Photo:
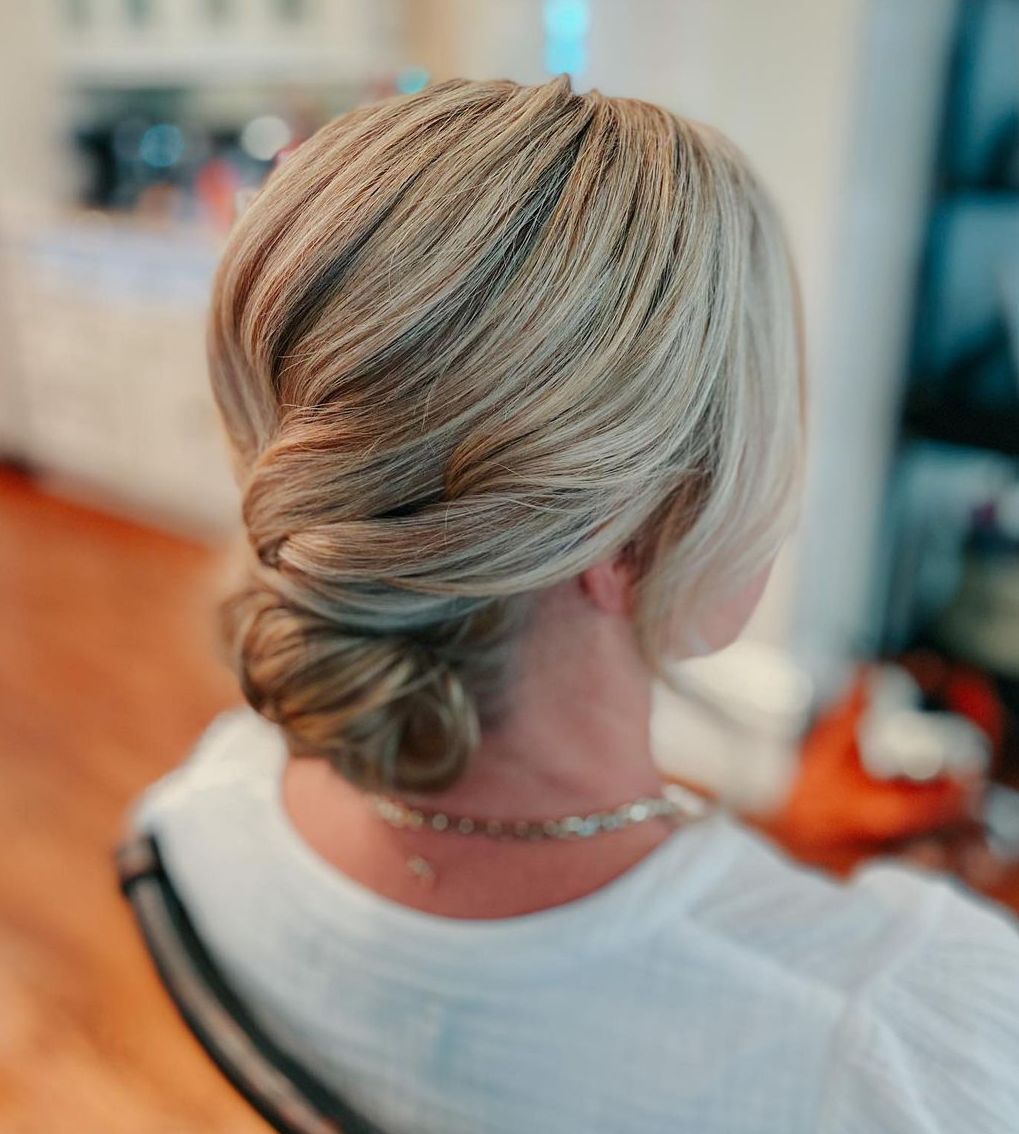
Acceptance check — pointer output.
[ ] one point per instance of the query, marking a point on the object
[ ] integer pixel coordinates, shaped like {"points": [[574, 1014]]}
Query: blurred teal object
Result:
{"points": [[566, 23], [566, 19], [411, 80]]}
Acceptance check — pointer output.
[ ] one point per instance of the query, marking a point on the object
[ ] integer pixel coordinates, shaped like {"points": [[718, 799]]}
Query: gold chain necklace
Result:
{"points": [[673, 802]]}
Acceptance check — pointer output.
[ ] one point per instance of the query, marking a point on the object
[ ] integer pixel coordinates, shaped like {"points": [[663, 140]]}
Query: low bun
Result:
{"points": [[388, 711]]}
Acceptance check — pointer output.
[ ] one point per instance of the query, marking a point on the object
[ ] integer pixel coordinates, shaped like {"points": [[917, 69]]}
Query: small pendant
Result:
{"points": [[421, 869]]}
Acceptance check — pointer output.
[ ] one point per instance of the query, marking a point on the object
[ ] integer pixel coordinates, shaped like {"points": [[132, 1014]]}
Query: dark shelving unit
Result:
{"points": [[958, 441]]}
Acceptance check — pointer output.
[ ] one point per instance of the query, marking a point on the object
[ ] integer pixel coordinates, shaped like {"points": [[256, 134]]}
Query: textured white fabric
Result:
{"points": [[715, 987]]}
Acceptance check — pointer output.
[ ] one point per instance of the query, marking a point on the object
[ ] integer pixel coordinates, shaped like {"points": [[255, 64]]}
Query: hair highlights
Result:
{"points": [[465, 343]]}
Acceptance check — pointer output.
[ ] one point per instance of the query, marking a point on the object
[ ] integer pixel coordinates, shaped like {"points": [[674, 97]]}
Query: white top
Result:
{"points": [[714, 988]]}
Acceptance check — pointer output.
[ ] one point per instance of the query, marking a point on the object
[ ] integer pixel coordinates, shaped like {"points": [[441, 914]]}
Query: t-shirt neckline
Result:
{"points": [[672, 873]]}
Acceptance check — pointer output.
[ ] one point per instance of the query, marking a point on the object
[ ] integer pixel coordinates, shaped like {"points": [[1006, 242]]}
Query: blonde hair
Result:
{"points": [[465, 344]]}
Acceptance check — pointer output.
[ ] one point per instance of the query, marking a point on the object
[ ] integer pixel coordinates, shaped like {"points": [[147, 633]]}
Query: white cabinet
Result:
{"points": [[108, 327]]}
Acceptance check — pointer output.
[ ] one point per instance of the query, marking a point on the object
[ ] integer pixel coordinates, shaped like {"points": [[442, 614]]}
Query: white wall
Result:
{"points": [[29, 173], [862, 331], [29, 129], [478, 39]]}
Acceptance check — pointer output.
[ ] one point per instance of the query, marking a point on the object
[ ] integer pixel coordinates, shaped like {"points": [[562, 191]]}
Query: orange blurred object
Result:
{"points": [[217, 185], [838, 813]]}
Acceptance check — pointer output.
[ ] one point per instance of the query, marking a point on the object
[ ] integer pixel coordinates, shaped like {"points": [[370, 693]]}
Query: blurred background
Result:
{"points": [[873, 707]]}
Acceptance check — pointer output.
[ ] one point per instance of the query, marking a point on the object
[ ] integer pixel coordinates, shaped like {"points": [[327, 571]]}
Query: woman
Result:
{"points": [[511, 381]]}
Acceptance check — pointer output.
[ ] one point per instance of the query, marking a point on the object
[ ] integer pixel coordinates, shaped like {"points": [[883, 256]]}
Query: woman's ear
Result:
{"points": [[609, 584]]}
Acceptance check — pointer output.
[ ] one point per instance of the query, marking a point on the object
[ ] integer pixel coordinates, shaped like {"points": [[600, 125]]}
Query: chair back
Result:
{"points": [[285, 1094]]}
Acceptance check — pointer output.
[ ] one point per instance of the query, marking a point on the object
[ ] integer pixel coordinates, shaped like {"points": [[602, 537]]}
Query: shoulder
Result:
{"points": [[238, 751], [888, 931], [931, 1041], [830, 933], [922, 978]]}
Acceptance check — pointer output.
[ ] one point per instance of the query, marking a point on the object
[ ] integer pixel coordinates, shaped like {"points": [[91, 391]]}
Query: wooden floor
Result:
{"points": [[107, 672]]}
